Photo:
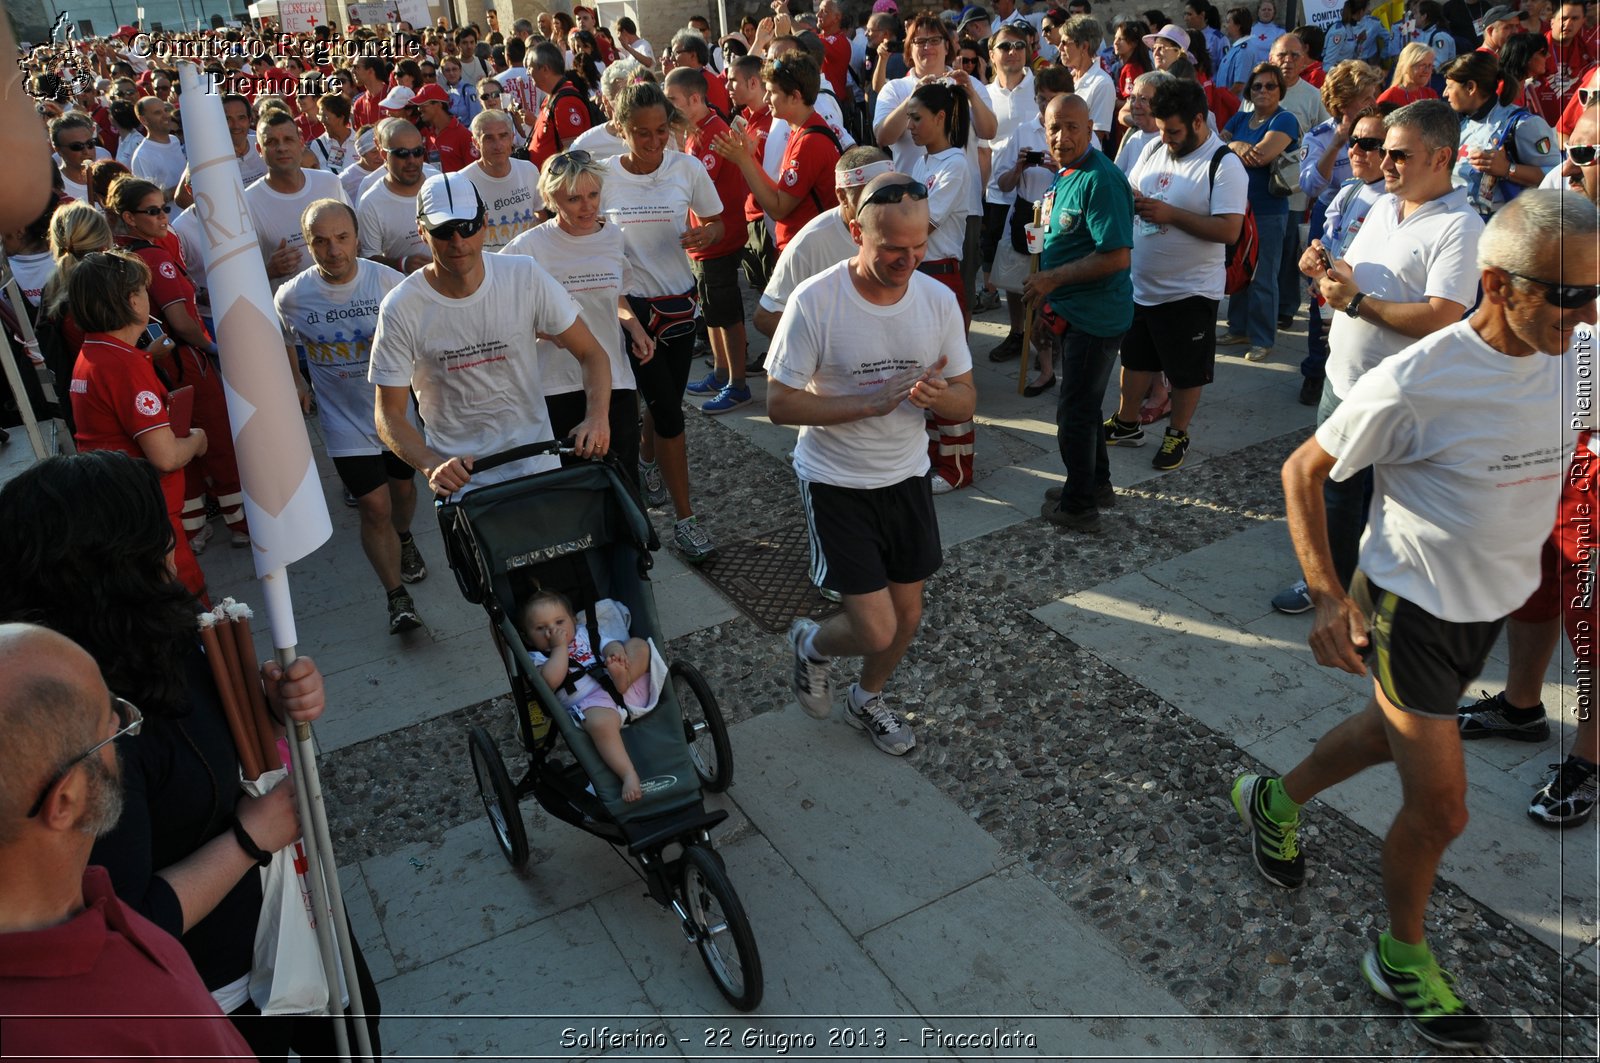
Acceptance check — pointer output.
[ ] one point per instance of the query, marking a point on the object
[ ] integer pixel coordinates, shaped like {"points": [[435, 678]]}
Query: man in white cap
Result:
{"points": [[460, 333], [388, 210]]}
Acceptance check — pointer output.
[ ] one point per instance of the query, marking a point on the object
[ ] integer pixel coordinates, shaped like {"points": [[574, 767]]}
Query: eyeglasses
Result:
{"points": [[82, 145], [1264, 86], [1010, 46], [927, 42], [1566, 296], [1582, 154], [129, 720], [464, 229], [1396, 154], [408, 153], [488, 95], [153, 212], [1588, 96], [568, 160], [895, 193], [969, 60], [1366, 143]]}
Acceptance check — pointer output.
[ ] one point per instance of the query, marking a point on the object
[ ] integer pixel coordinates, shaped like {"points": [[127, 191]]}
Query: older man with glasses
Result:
{"points": [[80, 973]]}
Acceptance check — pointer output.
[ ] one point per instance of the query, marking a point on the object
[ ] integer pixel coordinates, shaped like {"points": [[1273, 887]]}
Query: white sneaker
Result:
{"points": [[941, 486], [1258, 354], [198, 541], [889, 732], [813, 680]]}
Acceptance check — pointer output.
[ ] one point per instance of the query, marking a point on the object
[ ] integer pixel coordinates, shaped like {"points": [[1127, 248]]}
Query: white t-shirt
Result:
{"points": [[594, 271], [600, 142], [389, 224], [1035, 181], [191, 241], [1133, 143], [127, 145], [820, 243], [332, 155], [161, 163], [335, 323], [32, 271], [353, 177], [905, 154], [948, 178], [1012, 107], [652, 210], [1097, 90], [832, 342], [1434, 252], [1168, 263], [509, 202], [472, 362], [73, 189], [277, 214], [1467, 460], [252, 167]]}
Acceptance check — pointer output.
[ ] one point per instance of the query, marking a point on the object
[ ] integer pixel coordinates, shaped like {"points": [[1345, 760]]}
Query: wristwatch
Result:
{"points": [[1353, 308]]}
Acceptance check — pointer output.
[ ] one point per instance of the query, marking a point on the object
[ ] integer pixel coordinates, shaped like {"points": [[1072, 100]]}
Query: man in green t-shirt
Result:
{"points": [[1084, 275]]}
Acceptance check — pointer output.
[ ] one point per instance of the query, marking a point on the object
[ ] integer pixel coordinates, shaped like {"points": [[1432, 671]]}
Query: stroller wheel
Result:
{"points": [[499, 797], [703, 727], [722, 932]]}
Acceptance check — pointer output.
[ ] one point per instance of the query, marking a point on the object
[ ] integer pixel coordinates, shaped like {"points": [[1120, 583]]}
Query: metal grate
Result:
{"points": [[768, 578]]}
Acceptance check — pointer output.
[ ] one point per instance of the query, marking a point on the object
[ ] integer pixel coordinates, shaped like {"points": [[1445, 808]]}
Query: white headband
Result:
{"points": [[857, 176], [366, 142]]}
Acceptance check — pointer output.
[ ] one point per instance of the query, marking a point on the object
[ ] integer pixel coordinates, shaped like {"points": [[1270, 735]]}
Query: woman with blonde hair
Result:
{"points": [[1413, 70]]}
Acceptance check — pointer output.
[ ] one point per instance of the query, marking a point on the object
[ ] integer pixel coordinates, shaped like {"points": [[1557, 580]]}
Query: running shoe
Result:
{"points": [[729, 398], [813, 679], [1492, 717], [1081, 520], [1121, 434], [693, 540], [987, 299], [198, 541], [1428, 997], [1276, 845], [888, 731], [1174, 445], [403, 614], [654, 488], [1233, 339], [1105, 496], [940, 486], [1293, 599], [412, 567], [239, 540], [709, 385], [1568, 797]]}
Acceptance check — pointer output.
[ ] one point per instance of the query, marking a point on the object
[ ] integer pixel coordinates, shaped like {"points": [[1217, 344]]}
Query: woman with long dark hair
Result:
{"points": [[90, 547], [1504, 148]]}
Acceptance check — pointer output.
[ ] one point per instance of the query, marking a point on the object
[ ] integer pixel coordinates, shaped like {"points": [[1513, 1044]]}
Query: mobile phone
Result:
{"points": [[1033, 158], [153, 336], [1327, 263]]}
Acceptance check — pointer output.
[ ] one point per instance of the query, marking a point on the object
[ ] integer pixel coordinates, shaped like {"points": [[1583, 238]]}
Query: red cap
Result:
{"points": [[127, 32], [430, 93]]}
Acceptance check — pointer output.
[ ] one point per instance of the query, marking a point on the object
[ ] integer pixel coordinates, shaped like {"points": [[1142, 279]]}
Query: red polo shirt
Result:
{"points": [[758, 126], [1568, 63], [365, 110], [808, 164], [731, 187], [560, 122], [836, 61], [454, 146]]}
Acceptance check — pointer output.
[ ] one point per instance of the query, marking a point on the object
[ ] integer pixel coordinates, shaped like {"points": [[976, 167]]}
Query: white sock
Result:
{"points": [[859, 697], [808, 645]]}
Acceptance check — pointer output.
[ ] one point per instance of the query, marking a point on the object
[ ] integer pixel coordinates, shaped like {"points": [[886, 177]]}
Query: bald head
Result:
{"points": [[1067, 129], [907, 210]]}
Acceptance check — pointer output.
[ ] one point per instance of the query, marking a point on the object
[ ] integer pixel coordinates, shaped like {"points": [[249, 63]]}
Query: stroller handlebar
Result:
{"points": [[527, 450]]}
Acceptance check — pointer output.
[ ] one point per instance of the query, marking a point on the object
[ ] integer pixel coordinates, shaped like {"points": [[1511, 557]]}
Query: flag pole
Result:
{"points": [[283, 500]]}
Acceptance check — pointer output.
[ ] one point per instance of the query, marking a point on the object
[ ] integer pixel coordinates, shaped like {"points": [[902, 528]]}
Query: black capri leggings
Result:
{"points": [[566, 414], [663, 378]]}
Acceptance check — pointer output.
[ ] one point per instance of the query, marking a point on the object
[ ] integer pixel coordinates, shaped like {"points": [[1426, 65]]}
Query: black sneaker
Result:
{"points": [[1007, 349], [1568, 797], [1082, 520], [1105, 496], [1429, 1000], [1174, 445], [1276, 845], [1310, 390], [403, 614], [412, 567], [1491, 717], [1121, 434]]}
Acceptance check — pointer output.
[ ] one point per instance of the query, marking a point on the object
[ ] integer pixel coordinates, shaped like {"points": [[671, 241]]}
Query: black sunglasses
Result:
{"points": [[895, 193], [82, 145], [1366, 143], [1396, 154], [1263, 86], [1582, 154], [464, 229], [1566, 296], [408, 153], [153, 212], [1010, 46], [129, 720], [569, 160]]}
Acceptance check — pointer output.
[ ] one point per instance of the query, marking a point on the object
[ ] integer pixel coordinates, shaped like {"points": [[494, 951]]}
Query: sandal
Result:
{"points": [[1152, 414], [1035, 390]]}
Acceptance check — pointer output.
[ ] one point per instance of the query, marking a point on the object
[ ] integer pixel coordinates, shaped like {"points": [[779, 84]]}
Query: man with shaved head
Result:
{"points": [[870, 345], [85, 975]]}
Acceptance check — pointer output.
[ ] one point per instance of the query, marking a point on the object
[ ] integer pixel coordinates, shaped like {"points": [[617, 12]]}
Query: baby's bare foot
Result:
{"points": [[617, 666], [631, 790]]}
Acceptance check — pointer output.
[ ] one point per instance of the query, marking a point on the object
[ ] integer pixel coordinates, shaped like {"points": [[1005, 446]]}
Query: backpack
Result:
{"points": [[1238, 258], [567, 90], [838, 146]]}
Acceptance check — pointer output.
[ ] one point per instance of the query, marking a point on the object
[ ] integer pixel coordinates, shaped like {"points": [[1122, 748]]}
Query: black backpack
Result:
{"points": [[833, 139]]}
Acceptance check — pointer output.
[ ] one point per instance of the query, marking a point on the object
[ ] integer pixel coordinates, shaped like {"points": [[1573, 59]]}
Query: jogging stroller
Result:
{"points": [[580, 530]]}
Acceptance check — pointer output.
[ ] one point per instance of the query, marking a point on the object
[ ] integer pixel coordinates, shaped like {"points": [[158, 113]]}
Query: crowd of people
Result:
{"points": [[479, 239]]}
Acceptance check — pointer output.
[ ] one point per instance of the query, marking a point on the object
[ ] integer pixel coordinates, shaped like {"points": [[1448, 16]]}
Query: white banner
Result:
{"points": [[1322, 13], [300, 16], [416, 13], [372, 14], [282, 494]]}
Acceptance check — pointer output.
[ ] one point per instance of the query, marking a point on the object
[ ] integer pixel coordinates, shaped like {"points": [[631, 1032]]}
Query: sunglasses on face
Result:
{"points": [[895, 193], [408, 153], [1011, 46], [1565, 296], [1582, 154], [450, 229], [1588, 96], [82, 145], [153, 212], [1395, 154], [489, 96], [1366, 143]]}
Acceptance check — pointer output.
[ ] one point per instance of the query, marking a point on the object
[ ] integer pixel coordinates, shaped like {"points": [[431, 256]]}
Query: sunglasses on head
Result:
{"points": [[1366, 143], [1565, 296], [895, 193], [450, 229], [1582, 154], [408, 153], [568, 160], [153, 212]]}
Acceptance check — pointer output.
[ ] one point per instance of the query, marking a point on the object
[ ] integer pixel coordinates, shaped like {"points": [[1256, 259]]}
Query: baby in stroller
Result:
{"points": [[625, 676]]}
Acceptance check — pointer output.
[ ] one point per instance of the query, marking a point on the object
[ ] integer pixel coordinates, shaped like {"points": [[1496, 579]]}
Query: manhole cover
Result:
{"points": [[768, 577]]}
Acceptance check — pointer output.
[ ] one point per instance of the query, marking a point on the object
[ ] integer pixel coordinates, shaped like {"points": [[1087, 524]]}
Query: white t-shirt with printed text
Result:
{"points": [[652, 211], [509, 202], [389, 224]]}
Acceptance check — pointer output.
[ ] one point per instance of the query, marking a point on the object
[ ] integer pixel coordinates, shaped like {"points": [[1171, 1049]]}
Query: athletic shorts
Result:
{"points": [[863, 539], [721, 303], [363, 474], [1422, 664], [1177, 338]]}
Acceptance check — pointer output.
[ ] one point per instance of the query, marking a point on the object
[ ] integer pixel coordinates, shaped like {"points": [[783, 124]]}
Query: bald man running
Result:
{"points": [[895, 346]]}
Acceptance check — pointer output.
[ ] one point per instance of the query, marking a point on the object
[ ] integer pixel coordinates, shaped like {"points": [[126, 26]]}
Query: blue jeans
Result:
{"points": [[1084, 368], [1291, 285], [1346, 504], [1253, 309], [1313, 367]]}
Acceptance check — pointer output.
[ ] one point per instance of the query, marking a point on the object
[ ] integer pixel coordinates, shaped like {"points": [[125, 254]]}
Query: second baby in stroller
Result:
{"points": [[601, 690]]}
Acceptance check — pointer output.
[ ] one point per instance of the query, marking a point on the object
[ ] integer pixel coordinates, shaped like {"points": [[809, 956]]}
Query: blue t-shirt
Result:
{"points": [[1238, 128], [1090, 210]]}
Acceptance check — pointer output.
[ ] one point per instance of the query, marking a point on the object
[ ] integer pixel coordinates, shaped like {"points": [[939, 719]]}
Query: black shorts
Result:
{"points": [[760, 254], [862, 540], [363, 474], [717, 279], [1178, 339], [1422, 664], [994, 226]]}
